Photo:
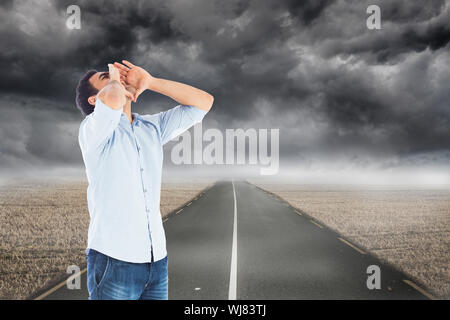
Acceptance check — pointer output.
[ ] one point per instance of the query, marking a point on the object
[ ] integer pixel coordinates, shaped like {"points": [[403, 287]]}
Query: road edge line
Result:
{"points": [[422, 291], [319, 225], [59, 285], [352, 245]]}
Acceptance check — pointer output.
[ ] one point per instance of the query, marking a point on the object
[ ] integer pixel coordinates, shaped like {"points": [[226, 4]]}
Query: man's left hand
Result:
{"points": [[134, 76]]}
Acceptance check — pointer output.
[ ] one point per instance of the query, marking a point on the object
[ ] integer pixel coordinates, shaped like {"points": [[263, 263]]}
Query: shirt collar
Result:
{"points": [[136, 118]]}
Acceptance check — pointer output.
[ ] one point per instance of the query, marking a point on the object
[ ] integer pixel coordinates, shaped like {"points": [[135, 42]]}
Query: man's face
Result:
{"points": [[100, 79]]}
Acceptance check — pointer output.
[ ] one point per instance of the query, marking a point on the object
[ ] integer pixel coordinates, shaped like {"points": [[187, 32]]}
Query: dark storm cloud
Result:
{"points": [[312, 68], [408, 26], [405, 11], [44, 58], [307, 11]]}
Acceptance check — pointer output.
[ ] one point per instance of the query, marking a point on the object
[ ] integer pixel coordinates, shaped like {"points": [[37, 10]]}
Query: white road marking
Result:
{"points": [[321, 227], [62, 283], [298, 212], [351, 245], [415, 286], [233, 272]]}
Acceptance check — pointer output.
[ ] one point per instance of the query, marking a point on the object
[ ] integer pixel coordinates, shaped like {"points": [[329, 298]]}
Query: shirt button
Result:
{"points": [[142, 169], [138, 148], [145, 190]]}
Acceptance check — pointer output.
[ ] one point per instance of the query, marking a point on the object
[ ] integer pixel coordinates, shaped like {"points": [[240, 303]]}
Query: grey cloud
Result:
{"points": [[311, 68]]}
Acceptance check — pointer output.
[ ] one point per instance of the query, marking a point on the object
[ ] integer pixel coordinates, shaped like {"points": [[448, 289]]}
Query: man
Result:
{"points": [[123, 155]]}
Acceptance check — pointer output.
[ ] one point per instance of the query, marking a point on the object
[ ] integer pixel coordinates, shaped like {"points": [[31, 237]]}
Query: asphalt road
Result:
{"points": [[237, 241]]}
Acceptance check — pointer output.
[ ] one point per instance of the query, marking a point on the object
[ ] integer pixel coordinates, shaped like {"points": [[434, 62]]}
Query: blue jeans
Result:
{"points": [[112, 279]]}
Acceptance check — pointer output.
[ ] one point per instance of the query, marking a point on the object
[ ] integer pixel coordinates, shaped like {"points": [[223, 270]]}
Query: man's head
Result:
{"points": [[85, 91], [88, 87]]}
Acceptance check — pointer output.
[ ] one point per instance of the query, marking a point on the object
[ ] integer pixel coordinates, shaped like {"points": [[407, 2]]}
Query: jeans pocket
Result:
{"points": [[101, 267]]}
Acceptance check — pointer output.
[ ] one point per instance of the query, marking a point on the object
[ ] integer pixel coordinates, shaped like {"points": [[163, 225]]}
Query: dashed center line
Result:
{"points": [[320, 226], [351, 245]]}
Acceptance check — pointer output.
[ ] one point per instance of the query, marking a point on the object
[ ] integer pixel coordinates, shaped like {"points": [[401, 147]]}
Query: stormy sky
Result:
{"points": [[343, 96]]}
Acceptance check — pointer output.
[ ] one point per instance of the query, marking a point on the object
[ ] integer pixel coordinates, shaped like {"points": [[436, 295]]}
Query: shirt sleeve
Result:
{"points": [[175, 121], [98, 126]]}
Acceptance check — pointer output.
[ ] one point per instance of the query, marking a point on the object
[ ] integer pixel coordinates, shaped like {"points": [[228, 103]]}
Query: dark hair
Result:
{"points": [[84, 90]]}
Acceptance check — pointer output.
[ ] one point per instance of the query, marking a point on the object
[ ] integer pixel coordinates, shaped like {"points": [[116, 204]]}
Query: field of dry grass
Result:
{"points": [[408, 227], [44, 230]]}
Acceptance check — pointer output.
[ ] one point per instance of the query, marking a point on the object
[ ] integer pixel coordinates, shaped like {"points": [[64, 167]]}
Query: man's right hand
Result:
{"points": [[114, 75], [114, 94]]}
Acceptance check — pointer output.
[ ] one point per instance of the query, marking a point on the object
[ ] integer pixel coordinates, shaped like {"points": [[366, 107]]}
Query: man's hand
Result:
{"points": [[134, 76], [114, 94], [114, 75], [180, 92]]}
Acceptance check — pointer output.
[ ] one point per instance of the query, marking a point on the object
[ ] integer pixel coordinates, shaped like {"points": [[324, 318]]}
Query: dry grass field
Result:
{"points": [[44, 230], [409, 227]]}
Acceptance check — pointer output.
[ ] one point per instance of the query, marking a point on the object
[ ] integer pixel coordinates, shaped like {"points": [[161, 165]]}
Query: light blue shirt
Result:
{"points": [[123, 167]]}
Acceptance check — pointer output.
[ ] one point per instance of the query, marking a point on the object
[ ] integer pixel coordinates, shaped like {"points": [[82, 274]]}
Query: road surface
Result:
{"points": [[236, 241]]}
